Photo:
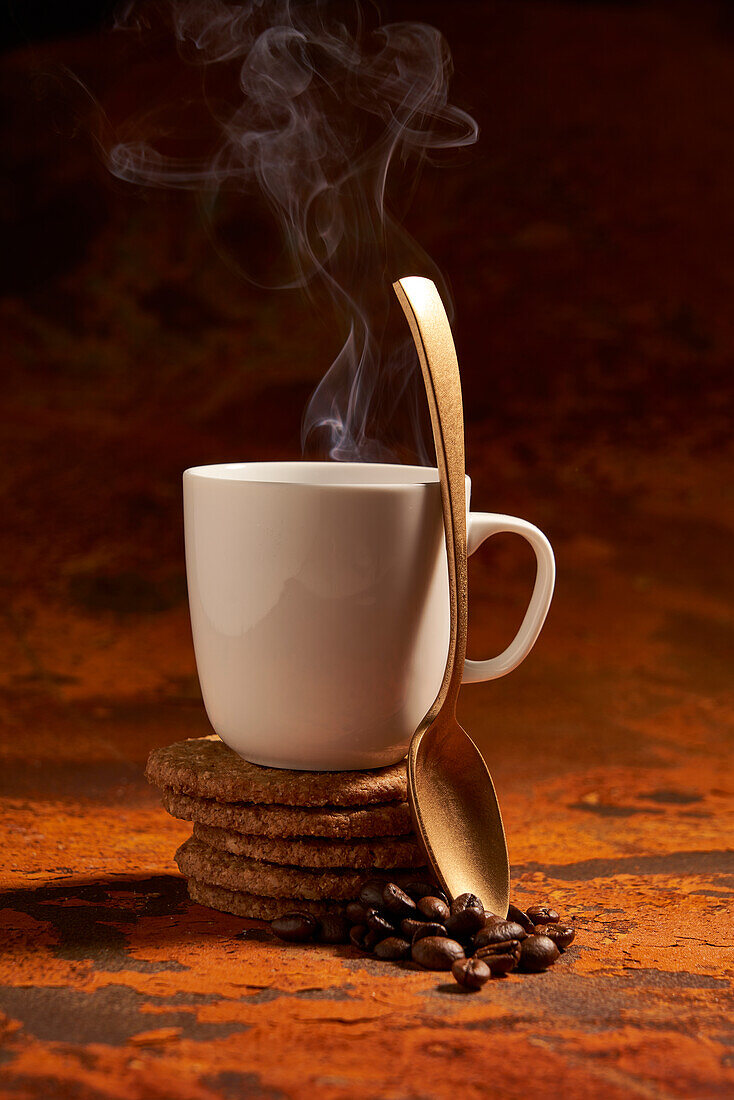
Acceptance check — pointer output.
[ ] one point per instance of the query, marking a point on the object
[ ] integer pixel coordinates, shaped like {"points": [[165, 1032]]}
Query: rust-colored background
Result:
{"points": [[588, 242]]}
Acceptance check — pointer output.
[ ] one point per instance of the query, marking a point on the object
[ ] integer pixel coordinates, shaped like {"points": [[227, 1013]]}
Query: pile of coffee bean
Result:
{"points": [[416, 922]]}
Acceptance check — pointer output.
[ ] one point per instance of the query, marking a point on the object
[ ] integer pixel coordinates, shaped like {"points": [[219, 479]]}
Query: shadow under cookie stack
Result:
{"points": [[267, 841]]}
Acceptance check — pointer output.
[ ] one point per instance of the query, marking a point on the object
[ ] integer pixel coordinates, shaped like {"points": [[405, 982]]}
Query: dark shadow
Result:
{"points": [[110, 1015], [697, 862], [90, 915]]}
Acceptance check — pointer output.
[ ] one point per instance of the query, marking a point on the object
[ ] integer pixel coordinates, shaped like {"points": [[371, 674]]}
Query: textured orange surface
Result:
{"points": [[599, 405]]}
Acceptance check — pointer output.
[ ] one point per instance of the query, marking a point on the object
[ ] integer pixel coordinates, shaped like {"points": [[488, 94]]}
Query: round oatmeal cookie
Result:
{"points": [[206, 768], [390, 852], [206, 864], [378, 820], [254, 906]]}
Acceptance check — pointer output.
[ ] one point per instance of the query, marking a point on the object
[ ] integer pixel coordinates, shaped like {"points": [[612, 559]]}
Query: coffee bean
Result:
{"points": [[465, 901], [377, 923], [357, 936], [511, 948], [465, 924], [371, 893], [520, 917], [334, 929], [356, 913], [499, 965], [397, 902], [393, 948], [537, 953], [295, 927], [499, 932], [471, 973], [437, 952], [467, 916], [561, 934], [409, 926], [428, 930], [434, 909], [418, 890], [372, 938], [541, 914]]}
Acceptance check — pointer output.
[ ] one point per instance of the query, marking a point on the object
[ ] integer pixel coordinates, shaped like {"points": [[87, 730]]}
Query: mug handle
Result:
{"points": [[481, 526]]}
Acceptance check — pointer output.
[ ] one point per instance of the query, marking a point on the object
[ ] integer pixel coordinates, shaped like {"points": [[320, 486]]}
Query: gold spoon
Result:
{"points": [[451, 793]]}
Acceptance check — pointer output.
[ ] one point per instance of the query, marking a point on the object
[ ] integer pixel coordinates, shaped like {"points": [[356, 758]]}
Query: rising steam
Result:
{"points": [[324, 115]]}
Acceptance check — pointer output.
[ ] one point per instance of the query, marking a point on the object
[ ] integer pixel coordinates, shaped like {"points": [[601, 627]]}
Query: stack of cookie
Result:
{"points": [[267, 841]]}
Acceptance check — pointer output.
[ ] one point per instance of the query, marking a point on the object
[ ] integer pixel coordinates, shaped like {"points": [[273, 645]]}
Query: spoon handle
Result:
{"points": [[431, 333]]}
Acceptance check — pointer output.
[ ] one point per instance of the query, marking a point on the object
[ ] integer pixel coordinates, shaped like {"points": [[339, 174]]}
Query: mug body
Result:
{"points": [[319, 607]]}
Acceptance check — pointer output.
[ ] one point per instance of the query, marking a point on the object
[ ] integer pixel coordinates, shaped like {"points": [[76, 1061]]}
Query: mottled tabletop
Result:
{"points": [[596, 336]]}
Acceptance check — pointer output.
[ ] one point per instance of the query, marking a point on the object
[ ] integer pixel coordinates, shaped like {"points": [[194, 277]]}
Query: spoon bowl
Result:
{"points": [[457, 816]]}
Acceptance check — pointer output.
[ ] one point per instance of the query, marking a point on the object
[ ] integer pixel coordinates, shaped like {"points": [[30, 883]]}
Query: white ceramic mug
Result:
{"points": [[319, 606]]}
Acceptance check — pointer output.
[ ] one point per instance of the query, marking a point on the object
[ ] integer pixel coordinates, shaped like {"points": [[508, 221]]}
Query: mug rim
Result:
{"points": [[229, 471]]}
